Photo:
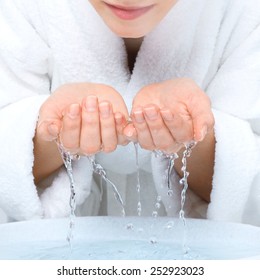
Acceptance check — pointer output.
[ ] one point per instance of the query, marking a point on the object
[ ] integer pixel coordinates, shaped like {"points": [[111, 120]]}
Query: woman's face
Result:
{"points": [[132, 18]]}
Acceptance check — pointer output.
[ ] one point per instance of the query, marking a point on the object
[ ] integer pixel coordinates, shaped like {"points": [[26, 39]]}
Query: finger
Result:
{"points": [[181, 129], [49, 129], [202, 125], [90, 140], [121, 123], [108, 128], [144, 136], [70, 132], [130, 133], [201, 114], [162, 138]]}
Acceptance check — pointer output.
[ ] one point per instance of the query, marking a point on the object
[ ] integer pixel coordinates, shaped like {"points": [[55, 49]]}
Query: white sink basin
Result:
{"points": [[128, 238]]}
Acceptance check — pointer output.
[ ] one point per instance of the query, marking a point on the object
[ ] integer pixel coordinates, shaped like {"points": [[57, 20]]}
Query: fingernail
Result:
{"points": [[203, 132], [167, 115], [151, 113], [129, 132], [91, 103], [138, 116], [104, 109], [74, 111], [118, 118], [53, 130]]}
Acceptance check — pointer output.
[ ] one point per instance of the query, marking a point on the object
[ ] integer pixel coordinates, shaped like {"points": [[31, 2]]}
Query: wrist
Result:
{"points": [[47, 158]]}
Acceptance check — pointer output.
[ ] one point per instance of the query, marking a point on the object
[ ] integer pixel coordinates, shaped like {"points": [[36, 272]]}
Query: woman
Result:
{"points": [[161, 62]]}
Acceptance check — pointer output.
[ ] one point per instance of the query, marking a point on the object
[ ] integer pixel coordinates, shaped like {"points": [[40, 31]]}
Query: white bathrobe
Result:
{"points": [[44, 44]]}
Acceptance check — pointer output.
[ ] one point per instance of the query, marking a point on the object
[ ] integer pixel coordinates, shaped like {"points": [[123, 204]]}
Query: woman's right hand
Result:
{"points": [[86, 117]]}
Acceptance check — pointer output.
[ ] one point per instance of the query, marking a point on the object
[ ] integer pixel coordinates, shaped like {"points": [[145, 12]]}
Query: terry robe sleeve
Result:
{"points": [[234, 93], [24, 85], [224, 59]]}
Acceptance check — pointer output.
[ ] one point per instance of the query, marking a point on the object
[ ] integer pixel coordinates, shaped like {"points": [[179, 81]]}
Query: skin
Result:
{"points": [[133, 28], [164, 115]]}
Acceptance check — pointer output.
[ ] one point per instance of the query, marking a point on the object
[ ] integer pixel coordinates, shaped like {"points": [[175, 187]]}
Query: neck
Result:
{"points": [[132, 47]]}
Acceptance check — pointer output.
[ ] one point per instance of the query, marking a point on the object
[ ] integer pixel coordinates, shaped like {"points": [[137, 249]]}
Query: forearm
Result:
{"points": [[47, 159], [200, 165]]}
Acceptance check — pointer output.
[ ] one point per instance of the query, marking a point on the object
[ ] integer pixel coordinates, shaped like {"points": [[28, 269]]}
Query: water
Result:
{"points": [[122, 250], [67, 159], [184, 182], [157, 206], [171, 159], [138, 185], [45, 239], [101, 250], [135, 238], [98, 169], [184, 179]]}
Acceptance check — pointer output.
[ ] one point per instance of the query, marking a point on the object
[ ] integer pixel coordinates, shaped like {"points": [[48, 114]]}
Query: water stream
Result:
{"points": [[184, 183], [98, 169], [67, 160], [138, 185]]}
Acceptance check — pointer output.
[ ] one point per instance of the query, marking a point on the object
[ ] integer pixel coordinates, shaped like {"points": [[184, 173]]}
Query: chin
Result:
{"points": [[128, 32]]}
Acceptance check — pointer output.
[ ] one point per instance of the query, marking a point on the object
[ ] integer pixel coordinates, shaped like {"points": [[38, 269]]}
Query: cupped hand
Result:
{"points": [[169, 114], [86, 117]]}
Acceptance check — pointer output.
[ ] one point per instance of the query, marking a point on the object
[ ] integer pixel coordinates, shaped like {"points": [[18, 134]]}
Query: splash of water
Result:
{"points": [[184, 179], [98, 169], [171, 159], [67, 160], [184, 183], [157, 206], [138, 185]]}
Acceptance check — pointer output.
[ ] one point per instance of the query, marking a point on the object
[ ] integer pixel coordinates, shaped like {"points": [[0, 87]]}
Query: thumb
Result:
{"points": [[203, 122], [130, 132], [48, 129], [49, 122]]}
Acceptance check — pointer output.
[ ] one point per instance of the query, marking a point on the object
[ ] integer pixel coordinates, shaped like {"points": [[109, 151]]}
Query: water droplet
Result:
{"points": [[169, 225], [153, 240], [139, 208], [130, 226], [182, 181], [155, 214], [158, 205], [170, 193]]}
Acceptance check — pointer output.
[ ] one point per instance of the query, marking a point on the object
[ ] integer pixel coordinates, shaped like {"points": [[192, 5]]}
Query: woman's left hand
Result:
{"points": [[169, 114]]}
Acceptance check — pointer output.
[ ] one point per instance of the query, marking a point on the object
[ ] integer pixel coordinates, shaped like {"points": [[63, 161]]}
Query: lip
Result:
{"points": [[128, 13]]}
